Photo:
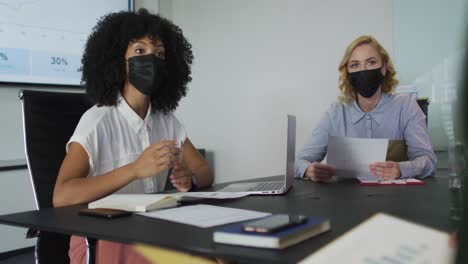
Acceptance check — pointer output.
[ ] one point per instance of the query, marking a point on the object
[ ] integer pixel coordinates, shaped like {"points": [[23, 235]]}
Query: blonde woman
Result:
{"points": [[368, 109]]}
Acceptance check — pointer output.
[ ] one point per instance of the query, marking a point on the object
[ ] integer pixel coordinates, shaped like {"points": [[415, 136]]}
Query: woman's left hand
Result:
{"points": [[181, 177], [387, 170]]}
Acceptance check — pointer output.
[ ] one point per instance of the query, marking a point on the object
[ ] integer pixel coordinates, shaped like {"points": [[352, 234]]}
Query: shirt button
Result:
{"points": [[367, 116]]}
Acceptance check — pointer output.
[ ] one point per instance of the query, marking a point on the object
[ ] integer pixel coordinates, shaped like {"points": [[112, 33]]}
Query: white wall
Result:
{"points": [[256, 61], [151, 5], [16, 196]]}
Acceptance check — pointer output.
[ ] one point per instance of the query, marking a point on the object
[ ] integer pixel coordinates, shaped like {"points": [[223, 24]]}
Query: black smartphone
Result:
{"points": [[273, 223], [104, 212]]}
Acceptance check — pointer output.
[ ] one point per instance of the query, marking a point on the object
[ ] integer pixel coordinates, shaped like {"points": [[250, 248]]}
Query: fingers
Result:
{"points": [[323, 166], [163, 144], [388, 170], [320, 172], [385, 164], [167, 159], [167, 151], [182, 180]]}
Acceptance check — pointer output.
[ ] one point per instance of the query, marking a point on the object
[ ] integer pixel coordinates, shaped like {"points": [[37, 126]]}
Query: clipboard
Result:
{"points": [[398, 182]]}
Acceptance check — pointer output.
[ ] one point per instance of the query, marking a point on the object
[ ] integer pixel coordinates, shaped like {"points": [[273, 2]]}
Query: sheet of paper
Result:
{"points": [[351, 156], [202, 215], [386, 239]]}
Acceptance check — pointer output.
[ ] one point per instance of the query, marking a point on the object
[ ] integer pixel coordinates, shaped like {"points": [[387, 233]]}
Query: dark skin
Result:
{"points": [[74, 187]]}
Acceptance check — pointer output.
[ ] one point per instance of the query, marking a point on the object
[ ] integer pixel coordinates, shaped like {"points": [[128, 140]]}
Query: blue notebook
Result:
{"points": [[234, 235]]}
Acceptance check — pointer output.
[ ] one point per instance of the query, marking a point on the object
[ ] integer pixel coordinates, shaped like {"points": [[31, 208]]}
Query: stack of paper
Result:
{"points": [[205, 215]]}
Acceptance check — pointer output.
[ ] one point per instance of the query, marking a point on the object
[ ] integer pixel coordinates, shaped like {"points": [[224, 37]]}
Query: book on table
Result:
{"points": [[148, 202], [235, 235]]}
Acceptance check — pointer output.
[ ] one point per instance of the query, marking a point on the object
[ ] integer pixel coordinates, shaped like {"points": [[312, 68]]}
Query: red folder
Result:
{"points": [[393, 182]]}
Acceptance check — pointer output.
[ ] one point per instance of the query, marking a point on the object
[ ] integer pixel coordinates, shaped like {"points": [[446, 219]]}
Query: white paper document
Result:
{"points": [[352, 156], [386, 239], [205, 215]]}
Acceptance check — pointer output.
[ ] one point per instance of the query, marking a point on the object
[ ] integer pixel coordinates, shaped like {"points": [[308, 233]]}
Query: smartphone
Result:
{"points": [[104, 212], [273, 223]]}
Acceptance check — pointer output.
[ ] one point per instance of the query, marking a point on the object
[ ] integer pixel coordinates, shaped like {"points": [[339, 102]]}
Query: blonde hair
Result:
{"points": [[389, 82]]}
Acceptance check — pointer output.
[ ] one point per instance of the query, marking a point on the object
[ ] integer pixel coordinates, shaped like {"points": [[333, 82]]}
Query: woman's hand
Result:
{"points": [[181, 177], [387, 170], [156, 158], [453, 239], [319, 172]]}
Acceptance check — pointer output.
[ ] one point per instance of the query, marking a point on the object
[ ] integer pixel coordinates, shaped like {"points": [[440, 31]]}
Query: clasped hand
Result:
{"points": [[162, 156]]}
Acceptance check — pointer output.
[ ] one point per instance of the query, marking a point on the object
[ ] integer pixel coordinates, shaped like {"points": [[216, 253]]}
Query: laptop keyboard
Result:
{"points": [[266, 186]]}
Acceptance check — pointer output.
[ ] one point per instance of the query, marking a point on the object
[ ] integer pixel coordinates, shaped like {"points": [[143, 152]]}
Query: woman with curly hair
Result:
{"points": [[136, 67], [368, 109]]}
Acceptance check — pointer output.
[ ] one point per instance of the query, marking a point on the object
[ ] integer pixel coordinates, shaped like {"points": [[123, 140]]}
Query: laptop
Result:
{"points": [[273, 187]]}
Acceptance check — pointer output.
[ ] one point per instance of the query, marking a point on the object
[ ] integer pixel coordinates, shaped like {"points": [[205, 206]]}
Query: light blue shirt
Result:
{"points": [[397, 117]]}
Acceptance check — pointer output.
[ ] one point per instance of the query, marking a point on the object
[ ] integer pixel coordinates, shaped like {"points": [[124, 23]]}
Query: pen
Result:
{"points": [[181, 155]]}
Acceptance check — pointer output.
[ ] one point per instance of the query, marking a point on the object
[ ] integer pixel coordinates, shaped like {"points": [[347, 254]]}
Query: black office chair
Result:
{"points": [[423, 102], [49, 120]]}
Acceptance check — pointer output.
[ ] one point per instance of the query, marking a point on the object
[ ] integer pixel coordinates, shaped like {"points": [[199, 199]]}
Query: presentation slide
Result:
{"points": [[42, 41]]}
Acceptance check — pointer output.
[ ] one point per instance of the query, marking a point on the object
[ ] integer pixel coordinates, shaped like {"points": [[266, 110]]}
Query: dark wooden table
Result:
{"points": [[345, 203]]}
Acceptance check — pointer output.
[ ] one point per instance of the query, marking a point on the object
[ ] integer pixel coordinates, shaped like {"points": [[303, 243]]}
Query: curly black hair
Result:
{"points": [[104, 65]]}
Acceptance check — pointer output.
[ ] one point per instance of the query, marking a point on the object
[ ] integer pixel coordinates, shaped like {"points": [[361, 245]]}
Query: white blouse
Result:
{"points": [[114, 136]]}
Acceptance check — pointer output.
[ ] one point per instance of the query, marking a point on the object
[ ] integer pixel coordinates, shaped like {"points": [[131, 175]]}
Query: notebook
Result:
{"points": [[149, 202], [234, 235], [135, 202], [273, 187]]}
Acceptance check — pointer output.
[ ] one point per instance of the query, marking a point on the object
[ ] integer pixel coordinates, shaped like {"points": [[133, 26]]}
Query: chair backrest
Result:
{"points": [[423, 102], [49, 120]]}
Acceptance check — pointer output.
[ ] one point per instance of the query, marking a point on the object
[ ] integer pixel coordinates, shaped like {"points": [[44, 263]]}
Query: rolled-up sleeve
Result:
{"points": [[422, 160], [315, 148]]}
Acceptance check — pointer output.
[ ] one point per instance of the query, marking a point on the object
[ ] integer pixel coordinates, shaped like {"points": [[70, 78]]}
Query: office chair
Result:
{"points": [[423, 102], [49, 120]]}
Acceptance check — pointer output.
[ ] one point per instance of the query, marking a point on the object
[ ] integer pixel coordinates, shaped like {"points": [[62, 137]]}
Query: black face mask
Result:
{"points": [[147, 73], [366, 82]]}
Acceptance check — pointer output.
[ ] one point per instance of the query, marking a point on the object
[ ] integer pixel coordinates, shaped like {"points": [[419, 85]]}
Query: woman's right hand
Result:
{"points": [[319, 172], [156, 158]]}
